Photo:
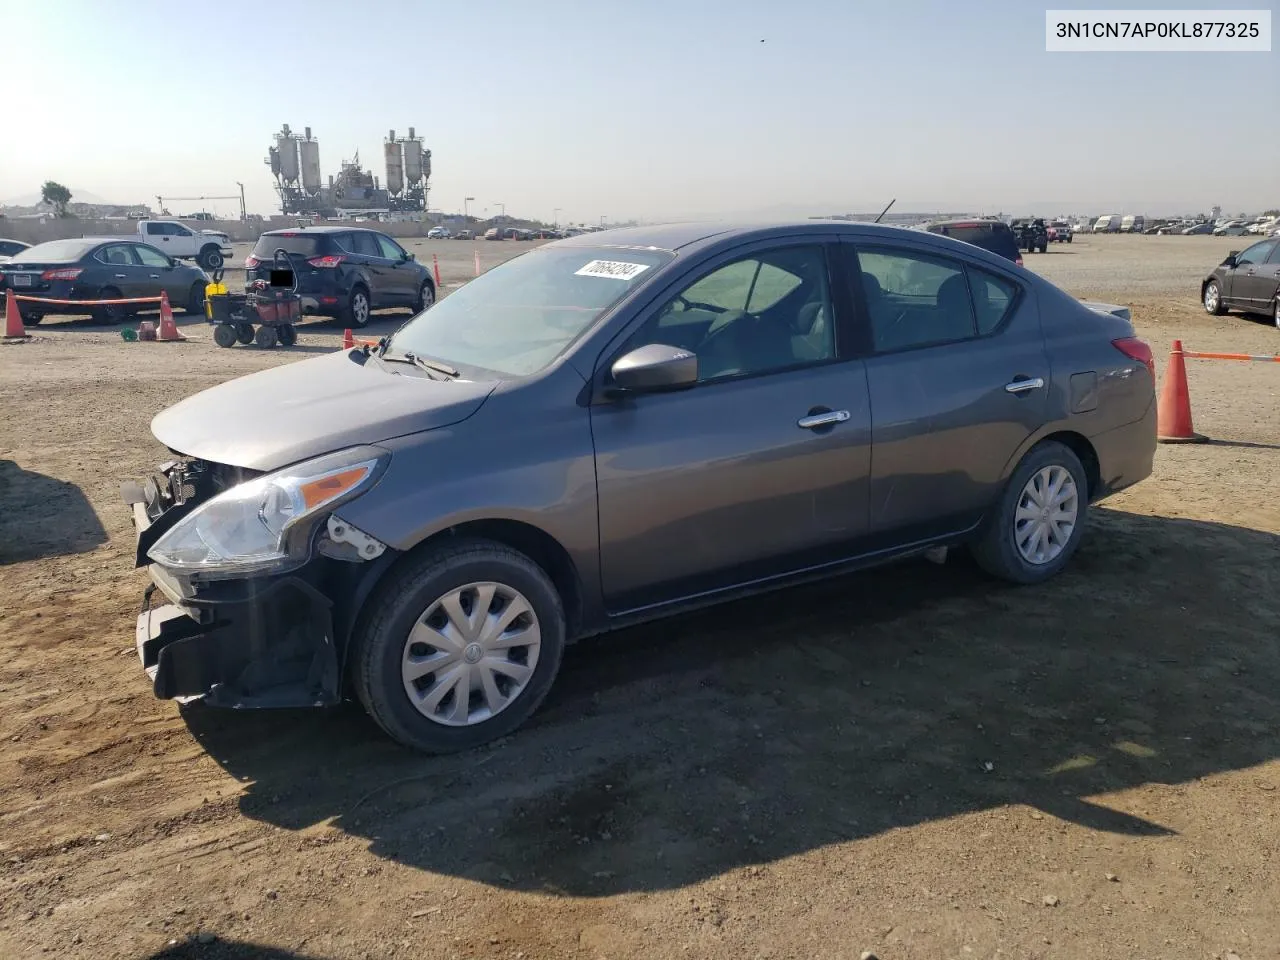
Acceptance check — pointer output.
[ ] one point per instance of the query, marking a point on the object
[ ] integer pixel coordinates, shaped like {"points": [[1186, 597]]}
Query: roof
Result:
{"points": [[314, 228], [674, 236]]}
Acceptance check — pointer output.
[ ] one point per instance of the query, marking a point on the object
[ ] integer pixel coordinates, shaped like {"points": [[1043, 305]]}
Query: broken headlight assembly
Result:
{"points": [[265, 525]]}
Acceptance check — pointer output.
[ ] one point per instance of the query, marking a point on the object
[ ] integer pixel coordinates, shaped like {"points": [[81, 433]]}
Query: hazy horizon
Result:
{"points": [[671, 113]]}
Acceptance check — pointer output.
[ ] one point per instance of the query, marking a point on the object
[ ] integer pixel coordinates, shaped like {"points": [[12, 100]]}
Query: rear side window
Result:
{"points": [[992, 298], [306, 245], [364, 244], [914, 299], [118, 254]]}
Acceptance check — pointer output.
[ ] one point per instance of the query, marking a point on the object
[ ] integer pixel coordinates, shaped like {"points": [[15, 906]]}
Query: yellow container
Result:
{"points": [[212, 290]]}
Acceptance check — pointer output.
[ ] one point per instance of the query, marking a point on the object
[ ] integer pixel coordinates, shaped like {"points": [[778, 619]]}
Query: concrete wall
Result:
{"points": [[52, 228]]}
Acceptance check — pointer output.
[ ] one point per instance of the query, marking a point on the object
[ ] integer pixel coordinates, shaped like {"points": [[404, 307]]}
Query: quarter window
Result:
{"points": [[992, 298], [770, 311], [915, 299]]}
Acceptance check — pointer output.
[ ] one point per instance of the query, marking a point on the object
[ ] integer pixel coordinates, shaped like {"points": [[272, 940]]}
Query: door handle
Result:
{"points": [[1022, 386], [815, 420], [121, 276], [155, 276]]}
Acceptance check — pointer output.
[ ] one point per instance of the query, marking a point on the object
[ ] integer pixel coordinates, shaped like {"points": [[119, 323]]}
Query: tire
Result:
{"points": [[426, 297], [1211, 298], [1068, 239], [109, 315], [266, 337], [383, 642], [1275, 312], [288, 334], [1044, 248], [224, 335], [210, 258], [195, 300], [30, 319], [356, 313], [998, 551], [244, 332]]}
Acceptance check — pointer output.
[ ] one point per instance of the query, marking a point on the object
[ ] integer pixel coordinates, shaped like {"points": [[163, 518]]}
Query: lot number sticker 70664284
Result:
{"points": [[614, 269]]}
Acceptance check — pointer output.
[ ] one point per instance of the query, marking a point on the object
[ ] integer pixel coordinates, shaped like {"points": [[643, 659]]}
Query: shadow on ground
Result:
{"points": [[226, 950], [41, 516], [673, 752]]}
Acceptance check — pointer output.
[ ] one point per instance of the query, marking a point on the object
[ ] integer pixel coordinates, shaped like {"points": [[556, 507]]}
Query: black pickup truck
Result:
{"points": [[1032, 234]]}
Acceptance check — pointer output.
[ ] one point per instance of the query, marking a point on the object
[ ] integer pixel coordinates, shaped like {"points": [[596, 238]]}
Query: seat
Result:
{"points": [[952, 316], [117, 256]]}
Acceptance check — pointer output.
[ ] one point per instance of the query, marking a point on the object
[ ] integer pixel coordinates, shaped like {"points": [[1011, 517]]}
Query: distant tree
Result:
{"points": [[1271, 213], [56, 195]]}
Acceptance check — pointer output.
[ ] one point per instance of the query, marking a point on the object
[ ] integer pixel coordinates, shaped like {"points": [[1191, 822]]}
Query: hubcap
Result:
{"points": [[471, 654], [1046, 515], [428, 298], [1211, 297], [360, 307]]}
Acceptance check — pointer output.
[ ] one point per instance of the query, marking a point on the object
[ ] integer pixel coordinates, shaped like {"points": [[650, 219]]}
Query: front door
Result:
{"points": [[158, 275], [759, 469], [958, 379], [401, 278]]}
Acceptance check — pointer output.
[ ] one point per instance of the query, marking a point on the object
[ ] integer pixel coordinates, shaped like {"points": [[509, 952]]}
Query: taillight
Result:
{"points": [[328, 262], [1018, 261], [62, 273], [251, 261], [1138, 349]]}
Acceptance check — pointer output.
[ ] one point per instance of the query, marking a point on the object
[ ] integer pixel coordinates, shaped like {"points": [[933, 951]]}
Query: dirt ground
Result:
{"points": [[915, 762]]}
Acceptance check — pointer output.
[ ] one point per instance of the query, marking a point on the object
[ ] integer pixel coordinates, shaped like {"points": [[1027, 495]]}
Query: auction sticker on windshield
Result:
{"points": [[615, 269]]}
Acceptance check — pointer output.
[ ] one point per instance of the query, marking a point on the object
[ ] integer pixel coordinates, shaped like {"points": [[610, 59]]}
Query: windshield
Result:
{"points": [[518, 317], [55, 251]]}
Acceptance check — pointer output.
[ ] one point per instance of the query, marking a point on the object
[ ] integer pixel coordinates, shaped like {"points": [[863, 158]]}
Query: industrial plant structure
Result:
{"points": [[295, 164]]}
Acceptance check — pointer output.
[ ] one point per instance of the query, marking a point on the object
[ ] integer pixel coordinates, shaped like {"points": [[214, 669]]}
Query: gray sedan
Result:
{"points": [[613, 428]]}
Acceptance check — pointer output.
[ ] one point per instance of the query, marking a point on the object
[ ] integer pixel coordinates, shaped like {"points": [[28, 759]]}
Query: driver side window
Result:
{"points": [[770, 311], [1255, 254]]}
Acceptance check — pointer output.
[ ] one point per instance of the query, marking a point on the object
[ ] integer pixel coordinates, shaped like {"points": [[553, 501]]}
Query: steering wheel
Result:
{"points": [[691, 304]]}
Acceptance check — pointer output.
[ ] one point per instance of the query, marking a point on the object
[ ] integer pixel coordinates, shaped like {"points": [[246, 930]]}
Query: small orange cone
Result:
{"points": [[12, 317], [348, 341], [435, 265], [168, 329], [1173, 413]]}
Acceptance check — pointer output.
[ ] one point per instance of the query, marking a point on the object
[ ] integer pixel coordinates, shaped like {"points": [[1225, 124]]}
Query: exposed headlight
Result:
{"points": [[265, 524]]}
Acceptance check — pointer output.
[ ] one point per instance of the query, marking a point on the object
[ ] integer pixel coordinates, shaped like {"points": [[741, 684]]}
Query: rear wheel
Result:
{"points": [[195, 300], [224, 335], [1275, 312], [461, 647], [1040, 517], [288, 334], [266, 337], [210, 258], [114, 313], [1213, 299], [356, 313], [244, 332], [31, 319]]}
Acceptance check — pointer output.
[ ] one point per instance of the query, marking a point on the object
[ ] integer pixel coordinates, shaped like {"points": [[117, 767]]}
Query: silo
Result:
{"points": [[395, 165], [310, 152], [287, 147], [413, 160]]}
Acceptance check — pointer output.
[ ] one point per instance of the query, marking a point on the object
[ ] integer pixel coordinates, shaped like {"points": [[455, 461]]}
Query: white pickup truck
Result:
{"points": [[209, 248]]}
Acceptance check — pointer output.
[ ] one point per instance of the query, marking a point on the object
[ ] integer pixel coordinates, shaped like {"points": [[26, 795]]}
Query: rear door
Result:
{"points": [[121, 269], [401, 277], [958, 379], [367, 256]]}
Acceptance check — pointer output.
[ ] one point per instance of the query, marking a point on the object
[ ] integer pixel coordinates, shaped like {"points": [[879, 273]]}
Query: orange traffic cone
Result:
{"points": [[348, 341], [12, 317], [1173, 420], [168, 329], [477, 256], [435, 265]]}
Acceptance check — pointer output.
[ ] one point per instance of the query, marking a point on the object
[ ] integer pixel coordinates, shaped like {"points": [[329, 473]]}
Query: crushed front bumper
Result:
{"points": [[267, 641]]}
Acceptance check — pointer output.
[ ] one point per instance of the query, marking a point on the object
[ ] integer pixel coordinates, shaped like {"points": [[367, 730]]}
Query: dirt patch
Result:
{"points": [[915, 761]]}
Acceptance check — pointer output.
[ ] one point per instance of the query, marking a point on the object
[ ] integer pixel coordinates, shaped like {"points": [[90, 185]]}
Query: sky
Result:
{"points": [[667, 109]]}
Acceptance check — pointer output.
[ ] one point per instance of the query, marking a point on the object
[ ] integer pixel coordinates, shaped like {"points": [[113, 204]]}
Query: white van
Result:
{"points": [[1109, 223], [1133, 224]]}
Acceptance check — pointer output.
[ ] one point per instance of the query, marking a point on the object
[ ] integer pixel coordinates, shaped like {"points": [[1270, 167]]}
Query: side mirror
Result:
{"points": [[409, 256], [1231, 258], [654, 368]]}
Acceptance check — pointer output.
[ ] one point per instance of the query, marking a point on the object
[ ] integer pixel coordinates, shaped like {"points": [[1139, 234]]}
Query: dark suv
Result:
{"points": [[345, 272], [993, 235], [1032, 234]]}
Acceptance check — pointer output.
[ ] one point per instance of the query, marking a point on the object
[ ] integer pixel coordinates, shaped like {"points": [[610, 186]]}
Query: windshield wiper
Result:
{"points": [[431, 366]]}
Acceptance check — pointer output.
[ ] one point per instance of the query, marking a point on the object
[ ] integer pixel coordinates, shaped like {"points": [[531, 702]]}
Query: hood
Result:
{"points": [[214, 233], [271, 419]]}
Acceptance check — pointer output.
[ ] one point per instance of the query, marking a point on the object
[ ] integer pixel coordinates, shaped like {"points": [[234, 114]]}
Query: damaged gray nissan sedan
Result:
{"points": [[612, 428]]}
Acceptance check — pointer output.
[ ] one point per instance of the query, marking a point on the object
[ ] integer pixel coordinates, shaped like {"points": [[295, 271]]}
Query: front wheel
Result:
{"points": [[461, 646], [1039, 520], [244, 333], [288, 334], [195, 299], [1213, 299], [426, 298], [266, 337], [224, 335], [210, 258], [1275, 312]]}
